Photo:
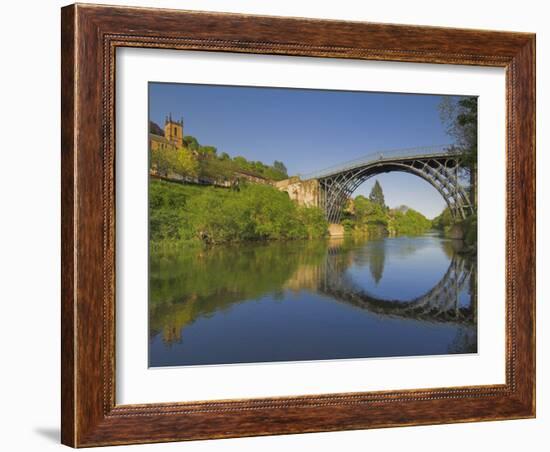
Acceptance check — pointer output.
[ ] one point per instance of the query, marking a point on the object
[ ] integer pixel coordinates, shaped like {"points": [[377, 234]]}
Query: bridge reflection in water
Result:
{"points": [[439, 304], [346, 298]]}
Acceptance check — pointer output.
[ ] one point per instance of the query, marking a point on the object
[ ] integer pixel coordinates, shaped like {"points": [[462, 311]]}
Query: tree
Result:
{"points": [[185, 164], [443, 220], [207, 151], [280, 166], [376, 259], [191, 143], [161, 160], [409, 222], [367, 215], [460, 118], [240, 161], [377, 195]]}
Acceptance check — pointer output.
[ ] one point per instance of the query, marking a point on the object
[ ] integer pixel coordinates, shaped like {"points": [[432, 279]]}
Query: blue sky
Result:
{"points": [[309, 130]]}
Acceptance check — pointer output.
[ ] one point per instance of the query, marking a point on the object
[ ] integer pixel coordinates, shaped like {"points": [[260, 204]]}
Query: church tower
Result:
{"points": [[173, 131]]}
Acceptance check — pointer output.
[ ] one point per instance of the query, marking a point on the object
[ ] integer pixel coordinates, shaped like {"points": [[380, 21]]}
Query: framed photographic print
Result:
{"points": [[280, 225]]}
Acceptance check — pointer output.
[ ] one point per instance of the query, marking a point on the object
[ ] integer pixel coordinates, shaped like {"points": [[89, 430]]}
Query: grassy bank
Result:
{"points": [[196, 214]]}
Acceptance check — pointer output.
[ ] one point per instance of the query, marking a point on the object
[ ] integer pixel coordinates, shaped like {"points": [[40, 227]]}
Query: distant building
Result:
{"points": [[173, 136]]}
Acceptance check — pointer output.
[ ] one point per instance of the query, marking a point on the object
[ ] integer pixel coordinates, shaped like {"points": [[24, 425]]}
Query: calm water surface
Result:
{"points": [[311, 300]]}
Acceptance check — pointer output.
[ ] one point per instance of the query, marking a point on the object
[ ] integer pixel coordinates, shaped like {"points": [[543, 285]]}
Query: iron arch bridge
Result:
{"points": [[438, 165]]}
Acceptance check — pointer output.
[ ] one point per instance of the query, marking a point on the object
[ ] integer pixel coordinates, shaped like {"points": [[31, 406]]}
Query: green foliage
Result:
{"points": [[377, 195], [371, 212], [365, 215], [280, 166], [167, 210], [443, 220], [185, 163], [409, 222], [216, 170], [191, 143], [207, 151], [179, 161], [217, 215], [160, 160], [460, 118], [313, 220], [470, 230], [348, 224], [195, 160], [276, 172]]}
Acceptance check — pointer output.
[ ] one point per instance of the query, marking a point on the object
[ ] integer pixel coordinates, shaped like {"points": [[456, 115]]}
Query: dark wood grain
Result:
{"points": [[68, 310], [90, 36]]}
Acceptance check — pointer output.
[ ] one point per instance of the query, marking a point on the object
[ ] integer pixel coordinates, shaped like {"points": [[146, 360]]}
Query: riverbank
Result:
{"points": [[180, 213], [465, 230], [191, 215]]}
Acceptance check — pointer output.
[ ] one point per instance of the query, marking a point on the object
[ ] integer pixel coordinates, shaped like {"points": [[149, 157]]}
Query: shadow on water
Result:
{"points": [[392, 281]]}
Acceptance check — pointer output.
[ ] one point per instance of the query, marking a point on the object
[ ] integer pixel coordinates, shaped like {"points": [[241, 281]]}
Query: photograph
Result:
{"points": [[290, 224]]}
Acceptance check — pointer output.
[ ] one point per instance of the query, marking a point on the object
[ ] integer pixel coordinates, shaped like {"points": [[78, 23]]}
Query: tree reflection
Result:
{"points": [[197, 282], [376, 260]]}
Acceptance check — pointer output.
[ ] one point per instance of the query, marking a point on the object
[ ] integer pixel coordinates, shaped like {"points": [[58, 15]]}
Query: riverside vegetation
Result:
{"points": [[467, 228], [371, 216], [186, 214], [212, 215]]}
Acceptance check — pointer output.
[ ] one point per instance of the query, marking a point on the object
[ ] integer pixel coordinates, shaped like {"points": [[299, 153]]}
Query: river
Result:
{"points": [[312, 300]]}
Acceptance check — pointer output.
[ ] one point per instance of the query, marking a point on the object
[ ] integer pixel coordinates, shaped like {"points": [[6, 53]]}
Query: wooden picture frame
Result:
{"points": [[90, 36]]}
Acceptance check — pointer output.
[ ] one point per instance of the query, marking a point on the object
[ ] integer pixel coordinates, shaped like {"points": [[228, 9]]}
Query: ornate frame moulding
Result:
{"points": [[90, 36]]}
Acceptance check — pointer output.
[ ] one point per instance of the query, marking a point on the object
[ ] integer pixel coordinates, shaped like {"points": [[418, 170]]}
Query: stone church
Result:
{"points": [[173, 136]]}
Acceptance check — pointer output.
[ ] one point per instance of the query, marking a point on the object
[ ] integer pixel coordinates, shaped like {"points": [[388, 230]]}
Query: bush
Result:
{"points": [[468, 226], [470, 230], [218, 215], [364, 215], [410, 222], [443, 220]]}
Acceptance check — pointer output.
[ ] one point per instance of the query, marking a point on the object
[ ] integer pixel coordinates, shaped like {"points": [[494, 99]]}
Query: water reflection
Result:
{"points": [[312, 300]]}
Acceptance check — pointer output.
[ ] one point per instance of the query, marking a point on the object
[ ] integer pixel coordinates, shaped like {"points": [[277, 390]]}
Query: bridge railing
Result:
{"points": [[384, 155]]}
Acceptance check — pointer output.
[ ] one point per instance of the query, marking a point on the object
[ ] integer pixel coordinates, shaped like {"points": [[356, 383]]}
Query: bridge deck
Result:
{"points": [[437, 151]]}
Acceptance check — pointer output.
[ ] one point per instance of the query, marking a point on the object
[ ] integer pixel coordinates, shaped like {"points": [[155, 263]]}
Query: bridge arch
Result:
{"points": [[441, 170]]}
